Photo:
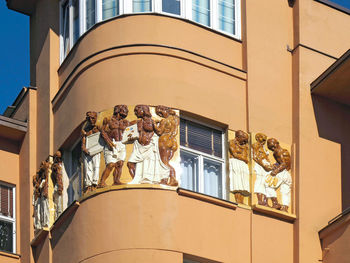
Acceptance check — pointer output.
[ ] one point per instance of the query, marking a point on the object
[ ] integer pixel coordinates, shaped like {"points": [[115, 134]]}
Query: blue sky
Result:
{"points": [[14, 58]]}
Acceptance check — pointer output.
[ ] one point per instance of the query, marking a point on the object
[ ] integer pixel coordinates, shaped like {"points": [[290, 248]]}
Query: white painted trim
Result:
{"points": [[14, 239], [98, 11]]}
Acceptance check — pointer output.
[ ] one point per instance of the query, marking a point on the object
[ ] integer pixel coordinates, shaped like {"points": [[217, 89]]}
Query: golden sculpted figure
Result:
{"points": [[91, 161], [145, 164], [167, 130], [281, 172], [239, 170], [114, 151], [36, 201], [40, 196], [262, 167]]}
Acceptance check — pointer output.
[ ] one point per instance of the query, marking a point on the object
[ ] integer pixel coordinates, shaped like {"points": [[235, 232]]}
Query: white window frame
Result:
{"points": [[126, 7], [202, 156], [9, 219]]}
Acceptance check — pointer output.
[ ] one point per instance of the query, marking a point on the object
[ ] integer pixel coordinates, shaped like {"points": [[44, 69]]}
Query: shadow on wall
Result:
{"points": [[333, 123]]}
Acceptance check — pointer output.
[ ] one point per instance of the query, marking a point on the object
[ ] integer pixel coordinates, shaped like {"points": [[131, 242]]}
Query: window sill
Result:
{"points": [[274, 213], [39, 236], [66, 213], [206, 198], [9, 255]]}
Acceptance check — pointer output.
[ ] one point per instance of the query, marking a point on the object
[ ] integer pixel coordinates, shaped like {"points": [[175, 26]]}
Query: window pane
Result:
{"points": [[110, 8], [6, 201], [227, 15], [6, 236], [75, 20], [65, 31], [201, 11], [199, 137], [212, 178], [76, 155], [189, 168], [171, 6], [182, 132], [142, 5], [90, 13], [217, 141]]}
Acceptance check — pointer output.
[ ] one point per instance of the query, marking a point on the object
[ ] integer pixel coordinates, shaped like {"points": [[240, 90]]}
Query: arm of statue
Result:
{"points": [[83, 142], [254, 153], [83, 145], [104, 132], [283, 163], [159, 127], [277, 168], [231, 147]]}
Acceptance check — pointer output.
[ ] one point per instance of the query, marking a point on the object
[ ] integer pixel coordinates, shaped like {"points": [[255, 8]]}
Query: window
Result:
{"points": [[7, 218], [110, 8], [76, 22], [201, 11], [90, 13], [171, 6], [78, 16], [142, 6], [71, 160], [65, 34], [227, 16], [202, 161]]}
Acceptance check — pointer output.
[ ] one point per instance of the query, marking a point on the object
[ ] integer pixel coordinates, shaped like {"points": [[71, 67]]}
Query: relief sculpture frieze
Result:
{"points": [[146, 140]]}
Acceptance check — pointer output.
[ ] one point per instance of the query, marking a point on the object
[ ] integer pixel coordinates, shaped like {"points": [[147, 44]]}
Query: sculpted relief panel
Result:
{"points": [[272, 170], [131, 145], [146, 140], [262, 167]]}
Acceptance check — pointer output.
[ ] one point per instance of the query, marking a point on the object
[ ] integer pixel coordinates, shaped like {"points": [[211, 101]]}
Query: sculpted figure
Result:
{"points": [[114, 150], [58, 183], [167, 130], [36, 201], [239, 171], [145, 165], [91, 162], [43, 188], [262, 167], [280, 170]]}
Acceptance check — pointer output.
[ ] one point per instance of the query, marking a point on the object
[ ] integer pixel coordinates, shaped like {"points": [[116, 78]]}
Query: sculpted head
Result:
{"points": [[57, 156], [142, 111], [272, 144], [122, 110], [261, 138], [91, 117], [242, 137], [164, 111]]}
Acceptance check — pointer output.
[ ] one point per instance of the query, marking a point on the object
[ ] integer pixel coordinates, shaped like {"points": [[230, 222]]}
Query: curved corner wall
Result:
{"points": [[151, 59], [122, 223]]}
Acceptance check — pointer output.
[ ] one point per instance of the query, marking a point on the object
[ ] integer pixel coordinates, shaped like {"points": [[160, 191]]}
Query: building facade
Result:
{"points": [[179, 131]]}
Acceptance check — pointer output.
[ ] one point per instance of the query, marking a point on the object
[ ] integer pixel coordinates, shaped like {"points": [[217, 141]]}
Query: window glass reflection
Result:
{"points": [[171, 6], [142, 6]]}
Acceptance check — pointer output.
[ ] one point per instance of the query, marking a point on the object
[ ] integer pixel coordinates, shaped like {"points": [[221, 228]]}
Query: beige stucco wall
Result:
{"points": [[151, 74], [153, 219]]}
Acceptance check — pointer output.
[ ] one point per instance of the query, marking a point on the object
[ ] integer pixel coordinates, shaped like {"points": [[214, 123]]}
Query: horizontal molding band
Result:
{"points": [[76, 68], [98, 24]]}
